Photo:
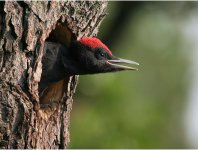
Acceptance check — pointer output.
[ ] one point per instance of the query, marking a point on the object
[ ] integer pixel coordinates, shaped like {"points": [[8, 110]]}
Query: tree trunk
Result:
{"points": [[24, 28]]}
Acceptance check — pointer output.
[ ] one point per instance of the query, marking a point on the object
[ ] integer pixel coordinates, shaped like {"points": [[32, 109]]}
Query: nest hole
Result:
{"points": [[62, 35]]}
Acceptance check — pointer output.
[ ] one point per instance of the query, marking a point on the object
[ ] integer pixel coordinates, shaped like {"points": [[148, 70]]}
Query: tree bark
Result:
{"points": [[24, 28]]}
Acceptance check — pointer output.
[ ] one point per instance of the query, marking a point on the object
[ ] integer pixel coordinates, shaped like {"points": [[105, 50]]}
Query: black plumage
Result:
{"points": [[86, 56]]}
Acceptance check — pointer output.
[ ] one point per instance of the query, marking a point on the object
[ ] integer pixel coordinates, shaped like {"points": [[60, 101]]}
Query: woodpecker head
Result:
{"points": [[95, 57]]}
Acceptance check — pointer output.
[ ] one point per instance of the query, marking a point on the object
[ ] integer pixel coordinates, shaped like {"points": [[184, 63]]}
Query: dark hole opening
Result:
{"points": [[60, 35]]}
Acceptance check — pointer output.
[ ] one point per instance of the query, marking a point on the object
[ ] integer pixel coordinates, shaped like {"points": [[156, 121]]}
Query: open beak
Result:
{"points": [[118, 63]]}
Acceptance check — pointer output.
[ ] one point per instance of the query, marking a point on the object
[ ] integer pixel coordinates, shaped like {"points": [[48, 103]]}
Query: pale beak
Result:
{"points": [[116, 62]]}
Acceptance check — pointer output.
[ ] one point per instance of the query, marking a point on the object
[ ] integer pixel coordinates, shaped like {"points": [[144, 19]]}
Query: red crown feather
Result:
{"points": [[94, 43]]}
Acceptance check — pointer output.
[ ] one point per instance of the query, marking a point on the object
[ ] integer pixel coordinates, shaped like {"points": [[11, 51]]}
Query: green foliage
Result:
{"points": [[140, 109]]}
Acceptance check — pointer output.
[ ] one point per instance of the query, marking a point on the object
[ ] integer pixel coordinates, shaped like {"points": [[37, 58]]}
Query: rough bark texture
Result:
{"points": [[24, 27]]}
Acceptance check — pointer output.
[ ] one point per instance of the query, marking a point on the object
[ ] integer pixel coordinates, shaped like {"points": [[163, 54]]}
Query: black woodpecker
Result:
{"points": [[85, 56]]}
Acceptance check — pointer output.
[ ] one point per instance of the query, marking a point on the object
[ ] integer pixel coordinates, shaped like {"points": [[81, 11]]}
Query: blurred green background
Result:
{"points": [[145, 108]]}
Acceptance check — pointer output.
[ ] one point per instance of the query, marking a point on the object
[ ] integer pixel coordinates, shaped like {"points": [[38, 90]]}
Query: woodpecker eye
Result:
{"points": [[100, 54]]}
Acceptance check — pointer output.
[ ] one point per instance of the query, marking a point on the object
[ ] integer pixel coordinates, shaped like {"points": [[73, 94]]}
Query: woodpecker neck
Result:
{"points": [[75, 59]]}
